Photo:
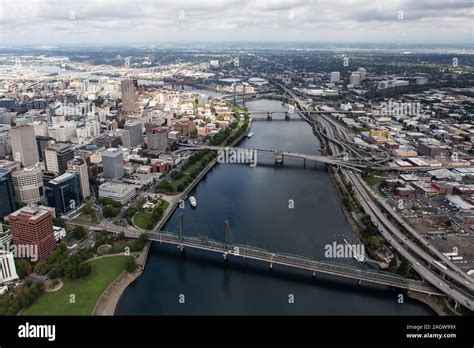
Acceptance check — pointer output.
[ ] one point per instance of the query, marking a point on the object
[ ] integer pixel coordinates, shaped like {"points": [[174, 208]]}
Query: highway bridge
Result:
{"points": [[279, 155]]}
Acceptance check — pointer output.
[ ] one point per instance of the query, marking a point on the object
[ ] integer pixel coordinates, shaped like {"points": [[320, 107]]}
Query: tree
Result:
{"points": [[79, 232], [87, 209], [404, 269], [130, 264], [23, 267], [99, 101], [110, 211], [84, 269], [374, 242], [40, 267], [392, 266], [59, 221]]}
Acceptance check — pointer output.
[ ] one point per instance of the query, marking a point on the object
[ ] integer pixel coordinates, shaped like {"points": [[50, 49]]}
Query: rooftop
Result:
{"points": [[32, 213]]}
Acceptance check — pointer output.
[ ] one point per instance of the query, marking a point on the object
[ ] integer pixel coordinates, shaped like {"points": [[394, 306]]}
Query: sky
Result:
{"points": [[110, 22]]}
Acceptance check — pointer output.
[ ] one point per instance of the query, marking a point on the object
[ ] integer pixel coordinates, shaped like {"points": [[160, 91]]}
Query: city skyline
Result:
{"points": [[94, 22]]}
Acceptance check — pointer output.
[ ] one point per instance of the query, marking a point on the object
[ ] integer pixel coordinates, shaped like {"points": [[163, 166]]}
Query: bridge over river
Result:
{"points": [[229, 250]]}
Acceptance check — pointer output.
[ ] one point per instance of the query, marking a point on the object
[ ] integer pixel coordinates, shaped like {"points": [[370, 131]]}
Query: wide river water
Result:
{"points": [[255, 201]]}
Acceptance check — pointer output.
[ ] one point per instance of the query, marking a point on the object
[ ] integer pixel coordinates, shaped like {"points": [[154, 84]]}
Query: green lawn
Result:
{"points": [[86, 290], [142, 219], [87, 218]]}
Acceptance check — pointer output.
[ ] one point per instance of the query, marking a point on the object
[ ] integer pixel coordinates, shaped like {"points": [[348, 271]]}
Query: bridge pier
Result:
{"points": [[456, 306], [314, 274], [181, 248], [278, 159], [304, 162], [287, 116], [269, 116], [359, 282], [271, 266]]}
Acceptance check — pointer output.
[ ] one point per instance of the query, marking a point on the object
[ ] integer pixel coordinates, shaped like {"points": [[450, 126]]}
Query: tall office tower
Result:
{"points": [[42, 144], [157, 138], [28, 184], [354, 79], [6, 116], [79, 166], [362, 72], [7, 267], [7, 193], [129, 95], [125, 137], [64, 192], [136, 132], [5, 147], [57, 156], [63, 132], [335, 76], [112, 163], [24, 147], [33, 226]]}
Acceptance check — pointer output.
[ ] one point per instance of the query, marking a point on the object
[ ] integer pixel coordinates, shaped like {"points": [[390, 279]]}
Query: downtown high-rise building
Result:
{"points": [[355, 79], [335, 76], [57, 156], [28, 184], [7, 193], [125, 137], [112, 163], [64, 192], [7, 267], [24, 147], [79, 166], [129, 95], [33, 226], [157, 139], [136, 132], [42, 143]]}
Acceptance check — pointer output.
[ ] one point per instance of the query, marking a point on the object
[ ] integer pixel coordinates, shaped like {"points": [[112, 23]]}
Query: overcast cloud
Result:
{"points": [[25, 22]]}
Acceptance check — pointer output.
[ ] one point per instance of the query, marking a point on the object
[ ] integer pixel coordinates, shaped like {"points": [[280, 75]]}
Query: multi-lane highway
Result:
{"points": [[450, 280]]}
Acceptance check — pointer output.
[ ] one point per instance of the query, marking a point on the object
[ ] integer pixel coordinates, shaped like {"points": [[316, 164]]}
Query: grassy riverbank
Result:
{"points": [[79, 296]]}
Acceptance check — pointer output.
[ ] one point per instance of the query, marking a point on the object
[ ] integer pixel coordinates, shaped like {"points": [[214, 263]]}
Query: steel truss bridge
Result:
{"points": [[228, 249]]}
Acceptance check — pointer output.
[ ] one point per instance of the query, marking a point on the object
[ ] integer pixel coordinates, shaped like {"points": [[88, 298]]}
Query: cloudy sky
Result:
{"points": [[26, 22]]}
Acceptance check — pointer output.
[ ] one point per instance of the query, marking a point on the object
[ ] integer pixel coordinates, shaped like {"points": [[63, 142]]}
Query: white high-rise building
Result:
{"points": [[363, 73], [335, 76], [125, 136], [7, 267], [28, 184], [23, 143], [79, 166], [136, 133], [112, 163], [41, 128], [63, 132], [354, 80]]}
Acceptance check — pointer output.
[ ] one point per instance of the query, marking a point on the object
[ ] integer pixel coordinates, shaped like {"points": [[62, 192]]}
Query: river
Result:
{"points": [[256, 202]]}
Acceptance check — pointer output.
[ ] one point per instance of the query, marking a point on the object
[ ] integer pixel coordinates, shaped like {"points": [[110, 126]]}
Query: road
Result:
{"points": [[396, 238]]}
